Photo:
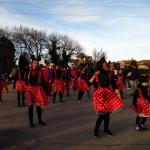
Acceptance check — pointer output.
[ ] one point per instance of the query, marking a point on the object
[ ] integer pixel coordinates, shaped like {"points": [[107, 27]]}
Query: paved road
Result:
{"points": [[69, 127]]}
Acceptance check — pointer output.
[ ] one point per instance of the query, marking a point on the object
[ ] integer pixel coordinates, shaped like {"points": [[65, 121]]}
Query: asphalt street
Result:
{"points": [[69, 126]]}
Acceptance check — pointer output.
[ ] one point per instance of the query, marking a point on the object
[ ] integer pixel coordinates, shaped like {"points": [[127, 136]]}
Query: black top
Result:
{"points": [[134, 74], [84, 75], [32, 79], [56, 74], [105, 80]]}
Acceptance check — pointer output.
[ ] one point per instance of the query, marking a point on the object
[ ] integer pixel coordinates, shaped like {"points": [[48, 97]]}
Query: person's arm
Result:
{"points": [[44, 84], [92, 80], [78, 75], [135, 97], [114, 85]]}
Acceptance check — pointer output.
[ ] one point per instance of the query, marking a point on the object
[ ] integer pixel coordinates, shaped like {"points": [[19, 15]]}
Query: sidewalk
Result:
{"points": [[69, 126]]}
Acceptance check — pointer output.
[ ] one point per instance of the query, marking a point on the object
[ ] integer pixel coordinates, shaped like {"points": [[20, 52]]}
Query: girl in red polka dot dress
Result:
{"points": [[141, 103], [120, 82], [20, 87], [82, 82], [58, 83], [106, 97], [37, 93]]}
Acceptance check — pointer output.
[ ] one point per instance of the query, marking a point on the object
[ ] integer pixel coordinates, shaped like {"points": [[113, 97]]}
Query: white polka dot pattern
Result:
{"points": [[106, 100], [21, 85], [36, 95], [82, 85]]}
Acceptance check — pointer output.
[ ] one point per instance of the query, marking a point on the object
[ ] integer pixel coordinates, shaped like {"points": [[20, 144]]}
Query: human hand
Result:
{"points": [[97, 73]]}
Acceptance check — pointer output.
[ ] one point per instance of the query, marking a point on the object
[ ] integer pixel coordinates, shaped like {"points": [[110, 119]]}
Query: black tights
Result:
{"points": [[39, 113], [140, 120], [18, 97], [54, 96], [99, 120], [80, 94]]}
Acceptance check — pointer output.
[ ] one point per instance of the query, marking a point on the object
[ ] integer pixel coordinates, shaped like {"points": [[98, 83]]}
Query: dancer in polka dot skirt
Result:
{"points": [[36, 92], [58, 83], [106, 97], [82, 82], [21, 86], [120, 82], [141, 104]]}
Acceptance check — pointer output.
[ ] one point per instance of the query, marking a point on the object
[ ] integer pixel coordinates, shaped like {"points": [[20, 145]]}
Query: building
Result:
{"points": [[142, 64]]}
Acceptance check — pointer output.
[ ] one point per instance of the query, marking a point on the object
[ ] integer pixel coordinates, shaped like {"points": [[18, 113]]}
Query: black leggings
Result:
{"points": [[60, 96], [140, 120], [80, 94], [19, 95], [39, 113], [99, 120]]}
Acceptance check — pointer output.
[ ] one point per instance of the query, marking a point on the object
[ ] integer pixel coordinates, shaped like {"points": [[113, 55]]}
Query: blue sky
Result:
{"points": [[119, 27]]}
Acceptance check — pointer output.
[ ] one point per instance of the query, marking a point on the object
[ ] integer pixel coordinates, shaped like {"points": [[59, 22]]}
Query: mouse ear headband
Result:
{"points": [[35, 59]]}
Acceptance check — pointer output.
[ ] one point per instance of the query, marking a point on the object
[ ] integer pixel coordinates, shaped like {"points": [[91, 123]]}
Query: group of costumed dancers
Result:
{"points": [[107, 95]]}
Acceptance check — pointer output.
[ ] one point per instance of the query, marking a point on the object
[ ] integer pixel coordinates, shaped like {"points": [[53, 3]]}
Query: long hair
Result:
{"points": [[99, 64]]}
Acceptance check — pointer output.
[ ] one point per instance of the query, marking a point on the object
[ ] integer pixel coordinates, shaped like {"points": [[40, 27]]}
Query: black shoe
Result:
{"points": [[96, 135], [1, 100], [144, 127], [19, 105], [53, 101], [31, 125], [42, 123], [139, 128], [68, 95], [62, 101], [108, 133]]}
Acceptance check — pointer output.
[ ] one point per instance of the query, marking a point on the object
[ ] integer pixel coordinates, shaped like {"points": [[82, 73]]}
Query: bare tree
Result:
{"points": [[69, 48], [62, 48], [29, 40], [99, 54], [57, 47]]}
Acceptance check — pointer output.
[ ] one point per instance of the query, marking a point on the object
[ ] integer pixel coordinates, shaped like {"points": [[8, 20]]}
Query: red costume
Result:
{"points": [[47, 75], [58, 82], [35, 92], [3, 82], [120, 84], [20, 84], [74, 73], [81, 83], [143, 105], [106, 100], [66, 78]]}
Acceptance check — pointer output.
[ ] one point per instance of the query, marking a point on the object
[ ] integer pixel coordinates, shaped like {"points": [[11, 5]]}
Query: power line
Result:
{"points": [[74, 15], [76, 5]]}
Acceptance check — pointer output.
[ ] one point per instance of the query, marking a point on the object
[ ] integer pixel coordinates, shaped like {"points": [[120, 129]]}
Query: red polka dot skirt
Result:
{"points": [[120, 85], [82, 85], [36, 95], [21, 86], [59, 85], [143, 107], [106, 100]]}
